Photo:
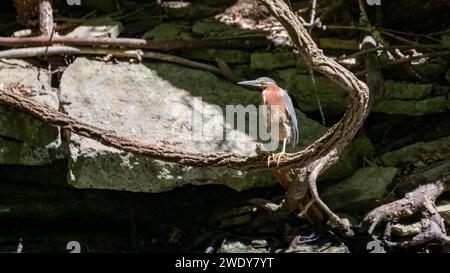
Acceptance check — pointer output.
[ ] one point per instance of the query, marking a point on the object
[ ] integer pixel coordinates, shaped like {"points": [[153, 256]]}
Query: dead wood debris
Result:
{"points": [[420, 202]]}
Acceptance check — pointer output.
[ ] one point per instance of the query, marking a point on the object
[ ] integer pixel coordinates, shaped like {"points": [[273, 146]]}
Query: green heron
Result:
{"points": [[283, 115]]}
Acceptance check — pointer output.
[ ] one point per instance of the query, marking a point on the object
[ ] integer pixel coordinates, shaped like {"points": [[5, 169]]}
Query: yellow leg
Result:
{"points": [[277, 157]]}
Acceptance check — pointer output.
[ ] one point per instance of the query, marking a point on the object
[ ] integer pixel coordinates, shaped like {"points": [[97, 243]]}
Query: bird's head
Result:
{"points": [[261, 82]]}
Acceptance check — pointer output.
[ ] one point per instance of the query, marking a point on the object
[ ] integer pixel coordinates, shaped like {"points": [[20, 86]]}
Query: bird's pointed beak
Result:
{"points": [[250, 83]]}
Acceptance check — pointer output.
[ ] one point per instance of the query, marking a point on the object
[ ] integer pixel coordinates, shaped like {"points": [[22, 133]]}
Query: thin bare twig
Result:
{"points": [[386, 48], [370, 29], [137, 54], [418, 57]]}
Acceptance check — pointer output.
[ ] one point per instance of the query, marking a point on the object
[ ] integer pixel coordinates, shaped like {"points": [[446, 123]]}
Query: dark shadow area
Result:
{"points": [[47, 218]]}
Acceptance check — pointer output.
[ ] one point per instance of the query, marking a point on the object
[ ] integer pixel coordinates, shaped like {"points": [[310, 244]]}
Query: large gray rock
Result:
{"points": [[22, 153], [214, 28], [333, 43], [348, 159], [153, 103], [26, 140], [24, 128], [412, 153], [101, 27], [412, 107], [366, 187], [167, 32], [269, 61], [406, 90], [230, 56]]}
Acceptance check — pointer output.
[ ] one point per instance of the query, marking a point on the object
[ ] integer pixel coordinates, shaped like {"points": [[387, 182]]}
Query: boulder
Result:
{"points": [[412, 107], [23, 139], [154, 103], [413, 152], [270, 61], [244, 71], [348, 159], [212, 27], [22, 153], [168, 32], [101, 27], [309, 130], [229, 56], [333, 43], [365, 188], [406, 90], [22, 127]]}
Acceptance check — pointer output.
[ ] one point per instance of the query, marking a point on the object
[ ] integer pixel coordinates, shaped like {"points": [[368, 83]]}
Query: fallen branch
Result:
{"points": [[370, 29], [137, 54], [30, 52], [133, 43], [418, 57], [420, 201], [386, 48]]}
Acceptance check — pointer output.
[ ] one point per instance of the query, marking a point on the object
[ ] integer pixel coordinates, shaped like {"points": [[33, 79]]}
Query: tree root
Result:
{"points": [[302, 194], [421, 201]]}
